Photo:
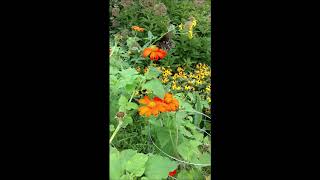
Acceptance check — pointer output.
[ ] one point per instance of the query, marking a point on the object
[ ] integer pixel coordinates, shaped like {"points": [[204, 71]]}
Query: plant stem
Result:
{"points": [[116, 131], [160, 37]]}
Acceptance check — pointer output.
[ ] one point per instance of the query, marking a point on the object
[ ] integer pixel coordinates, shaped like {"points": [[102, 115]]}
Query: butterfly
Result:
{"points": [[166, 42]]}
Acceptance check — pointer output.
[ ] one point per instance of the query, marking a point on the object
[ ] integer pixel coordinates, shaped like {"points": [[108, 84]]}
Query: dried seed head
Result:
{"points": [[115, 12], [126, 3], [198, 2], [160, 9], [120, 114], [115, 23], [147, 3]]}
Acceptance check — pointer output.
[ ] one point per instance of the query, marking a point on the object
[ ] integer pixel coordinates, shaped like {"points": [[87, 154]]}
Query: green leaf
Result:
{"points": [[127, 120], [150, 35], [158, 167], [126, 177], [136, 164], [163, 136], [191, 96], [131, 105], [125, 156], [205, 158], [115, 165], [129, 73], [156, 87], [123, 101], [180, 115], [198, 117], [188, 150], [152, 73], [185, 132], [191, 175], [185, 175]]}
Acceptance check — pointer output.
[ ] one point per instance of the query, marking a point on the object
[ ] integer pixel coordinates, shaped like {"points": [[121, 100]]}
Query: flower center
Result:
{"points": [[152, 104]]}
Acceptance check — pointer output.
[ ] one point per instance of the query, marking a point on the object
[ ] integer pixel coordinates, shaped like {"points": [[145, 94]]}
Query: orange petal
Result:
{"points": [[153, 56], [155, 111], [143, 110], [162, 53], [158, 99], [148, 113], [146, 52], [145, 100]]}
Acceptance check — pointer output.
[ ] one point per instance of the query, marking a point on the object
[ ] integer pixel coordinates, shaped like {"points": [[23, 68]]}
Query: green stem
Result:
{"points": [[116, 131]]}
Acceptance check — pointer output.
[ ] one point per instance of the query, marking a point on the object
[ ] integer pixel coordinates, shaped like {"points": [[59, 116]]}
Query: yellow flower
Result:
{"points": [[180, 69], [187, 87], [175, 76], [190, 34], [180, 27], [191, 82], [165, 80], [138, 69], [208, 88], [199, 82], [168, 72], [209, 99], [145, 70]]}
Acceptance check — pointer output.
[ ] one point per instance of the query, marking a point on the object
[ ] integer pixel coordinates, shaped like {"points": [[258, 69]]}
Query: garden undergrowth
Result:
{"points": [[160, 89]]}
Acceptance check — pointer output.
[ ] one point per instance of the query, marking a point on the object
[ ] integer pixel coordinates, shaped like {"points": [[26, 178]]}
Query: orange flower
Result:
{"points": [[154, 52], [152, 107], [137, 28], [173, 104]]}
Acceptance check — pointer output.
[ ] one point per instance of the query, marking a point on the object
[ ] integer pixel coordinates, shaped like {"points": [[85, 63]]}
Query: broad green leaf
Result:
{"points": [[190, 175], [188, 150], [131, 105], [123, 101], [125, 156], [158, 167], [205, 158], [191, 96], [115, 165], [145, 178], [127, 120], [126, 177], [163, 136], [185, 132], [113, 70], [185, 175], [128, 73], [184, 105], [136, 164], [180, 115], [156, 87], [152, 73]]}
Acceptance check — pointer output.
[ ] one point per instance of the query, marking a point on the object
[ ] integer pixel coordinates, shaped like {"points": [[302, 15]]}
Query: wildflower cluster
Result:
{"points": [[181, 81], [156, 105]]}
